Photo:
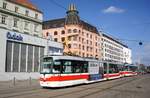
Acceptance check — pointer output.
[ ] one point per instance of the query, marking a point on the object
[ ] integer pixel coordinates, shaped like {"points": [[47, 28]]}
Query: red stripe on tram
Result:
{"points": [[111, 75], [65, 78]]}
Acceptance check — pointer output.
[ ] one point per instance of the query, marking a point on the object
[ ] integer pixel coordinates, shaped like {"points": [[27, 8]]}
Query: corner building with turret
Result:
{"points": [[78, 37]]}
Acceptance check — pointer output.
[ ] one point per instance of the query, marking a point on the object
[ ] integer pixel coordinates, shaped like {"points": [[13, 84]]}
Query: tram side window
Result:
{"points": [[113, 68], [57, 67], [80, 67], [67, 68]]}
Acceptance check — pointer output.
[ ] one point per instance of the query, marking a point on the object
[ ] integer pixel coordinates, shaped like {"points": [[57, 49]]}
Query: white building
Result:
{"points": [[127, 55], [21, 42], [115, 51]]}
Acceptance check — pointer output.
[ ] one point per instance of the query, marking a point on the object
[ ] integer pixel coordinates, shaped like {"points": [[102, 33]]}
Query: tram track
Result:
{"points": [[96, 87], [100, 89]]}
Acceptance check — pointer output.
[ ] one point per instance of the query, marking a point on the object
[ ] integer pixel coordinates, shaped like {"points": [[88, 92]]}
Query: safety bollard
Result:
{"points": [[14, 81], [30, 81]]}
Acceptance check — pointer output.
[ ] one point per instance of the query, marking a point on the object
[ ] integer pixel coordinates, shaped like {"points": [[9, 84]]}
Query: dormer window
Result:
{"points": [[27, 13], [36, 16], [16, 9], [4, 5]]}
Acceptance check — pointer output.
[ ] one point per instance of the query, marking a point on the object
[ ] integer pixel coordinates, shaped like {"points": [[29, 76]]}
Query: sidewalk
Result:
{"points": [[15, 84]]}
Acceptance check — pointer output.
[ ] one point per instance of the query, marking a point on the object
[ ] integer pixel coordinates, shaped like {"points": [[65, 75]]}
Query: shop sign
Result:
{"points": [[14, 36]]}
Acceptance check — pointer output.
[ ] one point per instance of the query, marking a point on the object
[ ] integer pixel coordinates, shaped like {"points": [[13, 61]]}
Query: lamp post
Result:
{"points": [[140, 44]]}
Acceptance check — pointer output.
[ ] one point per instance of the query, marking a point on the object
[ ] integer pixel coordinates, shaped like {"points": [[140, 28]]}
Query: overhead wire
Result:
{"points": [[101, 29]]}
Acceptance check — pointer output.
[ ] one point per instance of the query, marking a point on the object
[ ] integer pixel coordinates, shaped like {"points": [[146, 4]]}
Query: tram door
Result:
{"points": [[101, 69]]}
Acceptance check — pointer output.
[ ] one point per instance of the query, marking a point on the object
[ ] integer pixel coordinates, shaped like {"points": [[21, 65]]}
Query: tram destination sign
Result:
{"points": [[14, 36]]}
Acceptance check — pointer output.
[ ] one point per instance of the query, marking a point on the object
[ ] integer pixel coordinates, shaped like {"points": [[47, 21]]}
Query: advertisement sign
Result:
{"points": [[14, 36]]}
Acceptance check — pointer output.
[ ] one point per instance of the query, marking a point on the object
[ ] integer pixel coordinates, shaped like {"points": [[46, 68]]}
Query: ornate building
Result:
{"points": [[77, 36]]}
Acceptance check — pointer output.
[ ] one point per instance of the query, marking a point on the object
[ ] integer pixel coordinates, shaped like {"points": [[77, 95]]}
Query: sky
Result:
{"points": [[126, 20]]}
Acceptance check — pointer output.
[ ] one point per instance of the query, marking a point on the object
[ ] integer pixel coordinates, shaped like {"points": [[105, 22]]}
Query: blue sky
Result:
{"points": [[127, 20]]}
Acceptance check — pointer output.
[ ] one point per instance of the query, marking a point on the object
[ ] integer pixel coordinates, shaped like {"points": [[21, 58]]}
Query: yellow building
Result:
{"points": [[78, 36]]}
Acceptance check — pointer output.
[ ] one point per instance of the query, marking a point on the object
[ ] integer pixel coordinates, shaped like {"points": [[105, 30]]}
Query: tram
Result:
{"points": [[62, 71], [129, 70]]}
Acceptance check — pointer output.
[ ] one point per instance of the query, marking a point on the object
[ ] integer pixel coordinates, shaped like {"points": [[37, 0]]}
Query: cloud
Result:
{"points": [[113, 9]]}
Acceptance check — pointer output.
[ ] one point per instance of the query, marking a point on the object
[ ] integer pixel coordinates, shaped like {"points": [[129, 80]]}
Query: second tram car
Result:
{"points": [[129, 70]]}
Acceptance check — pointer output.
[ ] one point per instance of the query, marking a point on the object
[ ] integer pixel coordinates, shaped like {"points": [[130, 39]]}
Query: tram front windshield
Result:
{"points": [[46, 65], [50, 66]]}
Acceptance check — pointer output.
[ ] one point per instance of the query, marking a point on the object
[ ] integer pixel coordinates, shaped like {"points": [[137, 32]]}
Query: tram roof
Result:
{"points": [[71, 58]]}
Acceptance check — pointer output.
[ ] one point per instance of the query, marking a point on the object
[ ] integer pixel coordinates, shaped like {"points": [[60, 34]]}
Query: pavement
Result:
{"points": [[16, 84], [128, 87]]}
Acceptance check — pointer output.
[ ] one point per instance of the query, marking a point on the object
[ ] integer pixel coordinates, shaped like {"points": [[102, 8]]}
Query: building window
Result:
{"points": [[79, 31], [16, 9], [75, 30], [96, 44], [82, 47], [90, 42], [69, 30], [35, 27], [87, 55], [79, 46], [27, 13], [55, 39], [96, 38], [87, 48], [69, 45], [24, 62], [91, 49], [83, 33], [87, 42], [16, 22], [79, 39], [82, 40], [63, 39], [96, 50], [4, 5], [91, 36], [69, 38], [83, 54], [55, 33], [62, 32], [75, 38], [26, 26], [36, 16], [87, 35], [75, 46], [3, 21]]}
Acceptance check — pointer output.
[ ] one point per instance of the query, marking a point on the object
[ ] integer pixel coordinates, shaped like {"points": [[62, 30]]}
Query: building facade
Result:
{"points": [[21, 42], [77, 36], [21, 16], [127, 55], [115, 51]]}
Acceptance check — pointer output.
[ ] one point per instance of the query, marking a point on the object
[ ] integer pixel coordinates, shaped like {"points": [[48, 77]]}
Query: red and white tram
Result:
{"points": [[60, 71]]}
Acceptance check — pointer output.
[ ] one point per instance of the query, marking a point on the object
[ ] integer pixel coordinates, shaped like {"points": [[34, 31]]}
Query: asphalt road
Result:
{"points": [[128, 87]]}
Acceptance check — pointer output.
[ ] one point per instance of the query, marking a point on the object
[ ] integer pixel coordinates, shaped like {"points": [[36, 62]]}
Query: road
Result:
{"points": [[128, 87]]}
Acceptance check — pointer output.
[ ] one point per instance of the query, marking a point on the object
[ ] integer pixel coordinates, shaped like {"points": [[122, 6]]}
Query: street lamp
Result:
{"points": [[140, 43]]}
